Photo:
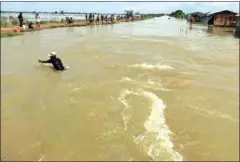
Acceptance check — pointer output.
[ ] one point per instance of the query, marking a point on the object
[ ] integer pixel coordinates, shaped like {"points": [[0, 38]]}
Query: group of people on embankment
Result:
{"points": [[100, 17], [30, 24], [90, 19]]}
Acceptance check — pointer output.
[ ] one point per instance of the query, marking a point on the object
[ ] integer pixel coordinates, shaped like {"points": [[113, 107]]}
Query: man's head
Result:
{"points": [[52, 54]]}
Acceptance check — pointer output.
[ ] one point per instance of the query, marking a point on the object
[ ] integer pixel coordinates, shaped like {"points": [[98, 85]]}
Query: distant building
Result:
{"points": [[137, 17], [197, 16], [237, 31], [221, 19]]}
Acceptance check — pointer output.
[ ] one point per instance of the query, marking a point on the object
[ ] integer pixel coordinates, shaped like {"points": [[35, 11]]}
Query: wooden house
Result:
{"points": [[224, 18]]}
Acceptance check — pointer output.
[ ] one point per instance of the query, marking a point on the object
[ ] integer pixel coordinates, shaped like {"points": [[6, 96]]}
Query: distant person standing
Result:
{"points": [[37, 17], [86, 17], [20, 18], [106, 18], [112, 18], [93, 16], [191, 22], [90, 17], [102, 18], [98, 19]]}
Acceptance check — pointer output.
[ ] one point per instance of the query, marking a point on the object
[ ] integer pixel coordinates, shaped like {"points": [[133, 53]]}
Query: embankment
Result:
{"points": [[11, 31]]}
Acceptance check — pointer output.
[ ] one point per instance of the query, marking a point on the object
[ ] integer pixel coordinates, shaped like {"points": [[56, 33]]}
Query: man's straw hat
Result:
{"points": [[52, 54]]}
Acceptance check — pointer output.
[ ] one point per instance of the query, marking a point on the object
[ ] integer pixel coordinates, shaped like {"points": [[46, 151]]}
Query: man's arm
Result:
{"points": [[47, 61]]}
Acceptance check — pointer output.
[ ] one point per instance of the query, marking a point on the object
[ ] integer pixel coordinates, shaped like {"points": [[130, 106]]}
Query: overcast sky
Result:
{"points": [[119, 7]]}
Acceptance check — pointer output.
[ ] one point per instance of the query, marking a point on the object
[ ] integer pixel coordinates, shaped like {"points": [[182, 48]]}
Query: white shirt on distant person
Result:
{"points": [[37, 19]]}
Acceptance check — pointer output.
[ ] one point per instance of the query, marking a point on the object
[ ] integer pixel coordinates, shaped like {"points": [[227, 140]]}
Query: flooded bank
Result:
{"points": [[16, 31], [135, 91]]}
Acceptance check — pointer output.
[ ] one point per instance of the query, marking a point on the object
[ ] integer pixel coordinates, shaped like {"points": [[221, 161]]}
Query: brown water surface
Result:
{"points": [[134, 91]]}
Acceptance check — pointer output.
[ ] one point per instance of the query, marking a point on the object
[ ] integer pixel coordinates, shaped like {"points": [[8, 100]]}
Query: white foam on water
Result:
{"points": [[211, 113], [156, 85], [124, 36], [151, 67], [126, 116], [95, 57], [156, 141], [153, 40], [125, 79], [77, 88], [151, 84], [42, 156]]}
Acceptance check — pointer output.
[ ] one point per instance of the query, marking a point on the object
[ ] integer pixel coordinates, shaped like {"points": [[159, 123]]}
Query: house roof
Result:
{"points": [[226, 11], [198, 13], [210, 16]]}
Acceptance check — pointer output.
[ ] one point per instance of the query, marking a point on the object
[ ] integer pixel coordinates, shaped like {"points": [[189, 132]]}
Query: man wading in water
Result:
{"points": [[56, 62]]}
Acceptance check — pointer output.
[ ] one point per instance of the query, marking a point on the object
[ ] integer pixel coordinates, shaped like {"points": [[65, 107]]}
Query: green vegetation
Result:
{"points": [[14, 22], [4, 23], [11, 22], [178, 14], [150, 16]]}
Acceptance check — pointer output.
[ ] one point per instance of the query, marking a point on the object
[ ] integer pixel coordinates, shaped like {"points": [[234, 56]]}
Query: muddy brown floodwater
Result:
{"points": [[135, 91]]}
